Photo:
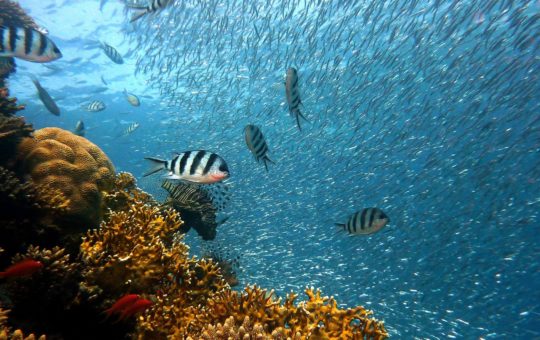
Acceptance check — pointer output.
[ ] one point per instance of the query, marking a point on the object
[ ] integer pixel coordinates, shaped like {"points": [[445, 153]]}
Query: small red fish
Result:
{"points": [[25, 267], [122, 303], [139, 306]]}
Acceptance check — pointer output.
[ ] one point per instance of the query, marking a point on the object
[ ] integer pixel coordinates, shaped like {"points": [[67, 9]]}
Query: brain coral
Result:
{"points": [[61, 160]]}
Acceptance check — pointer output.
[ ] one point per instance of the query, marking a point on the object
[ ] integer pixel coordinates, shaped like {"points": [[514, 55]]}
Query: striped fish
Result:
{"points": [[198, 166], [27, 44], [155, 6], [293, 96], [112, 53], [130, 129], [132, 99], [79, 128], [95, 106], [257, 144], [46, 98], [365, 222]]}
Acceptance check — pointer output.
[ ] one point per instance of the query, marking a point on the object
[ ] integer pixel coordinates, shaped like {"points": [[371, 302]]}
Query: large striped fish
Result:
{"points": [[112, 53], [293, 96], [28, 44], [45, 98], [198, 166], [257, 144], [365, 222], [154, 6]]}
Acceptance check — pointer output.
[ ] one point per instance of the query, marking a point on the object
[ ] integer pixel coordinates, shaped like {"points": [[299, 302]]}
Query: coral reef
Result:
{"points": [[6, 333], [12, 129], [62, 160]]}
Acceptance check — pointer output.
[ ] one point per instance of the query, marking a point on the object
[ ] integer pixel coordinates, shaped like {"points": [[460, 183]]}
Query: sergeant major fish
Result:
{"points": [[130, 129], [257, 144], [365, 222], [293, 95], [198, 166], [112, 53], [27, 44], [95, 106], [132, 99], [154, 7], [46, 98]]}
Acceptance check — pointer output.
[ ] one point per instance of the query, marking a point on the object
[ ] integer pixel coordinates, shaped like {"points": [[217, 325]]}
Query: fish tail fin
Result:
{"points": [[158, 165], [297, 116], [266, 159], [137, 16], [340, 225]]}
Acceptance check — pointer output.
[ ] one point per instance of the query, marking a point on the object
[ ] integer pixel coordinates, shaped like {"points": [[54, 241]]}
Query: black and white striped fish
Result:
{"points": [[28, 44], [154, 6], [365, 222], [112, 53], [293, 96], [95, 106], [257, 144], [198, 166], [46, 99], [79, 129], [130, 129]]}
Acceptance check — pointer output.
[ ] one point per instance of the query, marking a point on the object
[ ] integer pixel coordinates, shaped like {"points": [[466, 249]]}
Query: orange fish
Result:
{"points": [[139, 306], [25, 267], [122, 303]]}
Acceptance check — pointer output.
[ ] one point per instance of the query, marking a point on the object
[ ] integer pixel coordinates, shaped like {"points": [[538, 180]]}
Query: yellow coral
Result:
{"points": [[59, 159]]}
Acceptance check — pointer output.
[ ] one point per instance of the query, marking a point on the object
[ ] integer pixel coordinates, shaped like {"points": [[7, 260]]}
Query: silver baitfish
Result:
{"points": [[293, 96], [198, 166], [79, 129], [95, 106], [365, 222], [132, 99], [155, 6], [46, 99], [27, 44], [257, 144], [112, 53]]}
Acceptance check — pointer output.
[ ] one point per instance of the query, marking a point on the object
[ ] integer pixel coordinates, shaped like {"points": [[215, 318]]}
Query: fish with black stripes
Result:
{"points": [[197, 166], [130, 129], [95, 106], [365, 222], [45, 98], [79, 129], [293, 95], [256, 143], [154, 6], [112, 53], [28, 44]]}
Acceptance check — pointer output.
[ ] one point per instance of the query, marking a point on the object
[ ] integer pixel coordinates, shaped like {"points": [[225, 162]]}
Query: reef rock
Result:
{"points": [[61, 160]]}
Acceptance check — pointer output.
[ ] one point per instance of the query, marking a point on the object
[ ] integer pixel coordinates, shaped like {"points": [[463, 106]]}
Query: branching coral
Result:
{"points": [[229, 330], [12, 129], [73, 165], [5, 332]]}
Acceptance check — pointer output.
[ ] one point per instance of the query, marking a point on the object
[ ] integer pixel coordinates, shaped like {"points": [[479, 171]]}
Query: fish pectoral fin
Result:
{"points": [[170, 175]]}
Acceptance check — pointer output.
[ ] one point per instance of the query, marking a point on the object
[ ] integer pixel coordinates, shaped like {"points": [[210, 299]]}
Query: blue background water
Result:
{"points": [[438, 126]]}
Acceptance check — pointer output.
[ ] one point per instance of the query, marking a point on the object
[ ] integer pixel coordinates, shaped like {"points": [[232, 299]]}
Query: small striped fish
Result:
{"points": [[27, 44], [132, 99], [257, 144], [46, 98], [79, 128], [130, 129], [365, 222], [112, 53], [198, 166], [293, 96], [95, 106], [155, 6]]}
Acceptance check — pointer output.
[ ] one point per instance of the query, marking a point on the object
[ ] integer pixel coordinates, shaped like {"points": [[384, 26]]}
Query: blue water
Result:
{"points": [[429, 110]]}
